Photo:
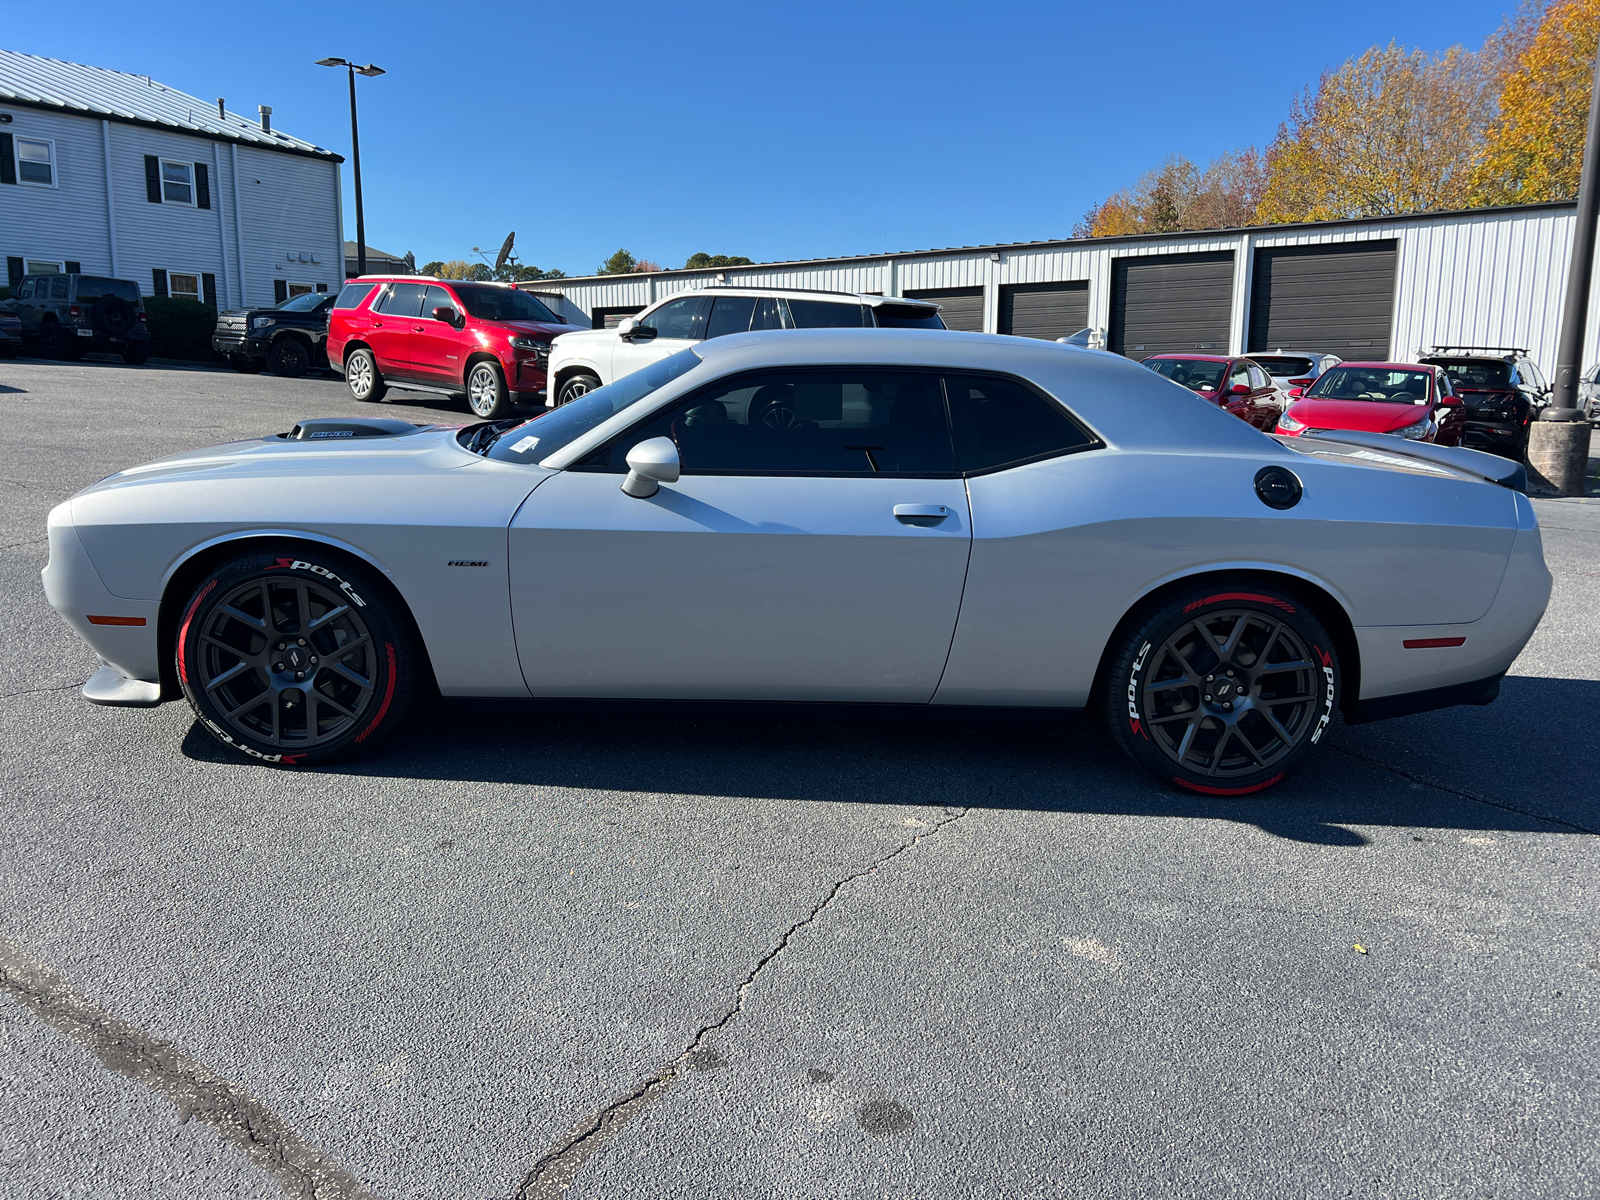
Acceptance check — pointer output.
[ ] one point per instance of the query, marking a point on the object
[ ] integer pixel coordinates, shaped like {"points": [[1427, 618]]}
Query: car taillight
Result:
{"points": [[141, 316], [1303, 383], [72, 310]]}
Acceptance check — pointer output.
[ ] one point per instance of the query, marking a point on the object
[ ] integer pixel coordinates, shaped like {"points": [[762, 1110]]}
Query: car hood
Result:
{"points": [[1369, 416], [540, 329], [429, 448]]}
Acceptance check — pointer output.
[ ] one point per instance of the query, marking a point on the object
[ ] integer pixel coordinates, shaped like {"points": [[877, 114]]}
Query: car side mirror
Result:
{"points": [[445, 313], [1450, 401], [650, 464], [1240, 389], [1296, 393]]}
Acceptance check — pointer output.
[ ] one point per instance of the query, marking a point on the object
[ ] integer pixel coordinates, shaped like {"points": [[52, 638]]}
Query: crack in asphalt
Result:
{"points": [[301, 1170], [552, 1174], [1424, 781], [60, 687]]}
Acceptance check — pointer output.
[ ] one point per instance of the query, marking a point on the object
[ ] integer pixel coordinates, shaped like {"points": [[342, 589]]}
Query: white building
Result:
{"points": [[1365, 289], [116, 174]]}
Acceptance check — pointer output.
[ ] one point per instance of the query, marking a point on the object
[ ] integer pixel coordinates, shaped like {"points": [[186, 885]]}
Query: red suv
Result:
{"points": [[487, 340]]}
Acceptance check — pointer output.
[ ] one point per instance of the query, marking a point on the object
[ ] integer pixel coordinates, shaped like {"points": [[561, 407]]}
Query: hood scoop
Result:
{"points": [[340, 428]]}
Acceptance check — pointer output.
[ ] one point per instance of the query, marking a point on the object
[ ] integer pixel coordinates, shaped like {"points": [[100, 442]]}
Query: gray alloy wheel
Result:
{"points": [[361, 376], [578, 385], [486, 392], [289, 357]]}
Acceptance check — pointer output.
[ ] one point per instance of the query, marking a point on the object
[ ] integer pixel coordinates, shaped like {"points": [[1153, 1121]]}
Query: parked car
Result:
{"points": [[1239, 385], [1501, 391], [581, 362], [1409, 400], [289, 338], [1292, 369], [488, 341], [942, 518], [66, 315], [10, 328], [1589, 393]]}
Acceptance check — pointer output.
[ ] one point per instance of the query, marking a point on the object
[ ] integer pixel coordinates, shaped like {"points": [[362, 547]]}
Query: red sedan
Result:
{"points": [[1404, 399], [1239, 385]]}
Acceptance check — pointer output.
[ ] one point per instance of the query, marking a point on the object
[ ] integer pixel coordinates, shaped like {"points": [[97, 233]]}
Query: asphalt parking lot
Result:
{"points": [[649, 951]]}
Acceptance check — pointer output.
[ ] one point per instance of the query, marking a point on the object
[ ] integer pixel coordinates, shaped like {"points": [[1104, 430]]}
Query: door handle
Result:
{"points": [[920, 512], [417, 329]]}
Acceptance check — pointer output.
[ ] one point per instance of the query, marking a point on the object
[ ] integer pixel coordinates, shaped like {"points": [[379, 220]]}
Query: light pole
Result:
{"points": [[355, 151]]}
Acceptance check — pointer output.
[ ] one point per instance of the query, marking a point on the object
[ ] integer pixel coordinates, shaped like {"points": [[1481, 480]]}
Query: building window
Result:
{"points": [[183, 286], [40, 267], [299, 289], [36, 162], [177, 183]]}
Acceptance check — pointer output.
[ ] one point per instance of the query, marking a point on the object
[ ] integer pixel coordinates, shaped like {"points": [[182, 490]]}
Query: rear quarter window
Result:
{"points": [[1285, 364], [353, 295], [1000, 422], [824, 314]]}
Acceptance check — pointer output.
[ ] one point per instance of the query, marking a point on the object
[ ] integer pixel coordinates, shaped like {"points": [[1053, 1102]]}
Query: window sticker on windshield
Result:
{"points": [[527, 443]]}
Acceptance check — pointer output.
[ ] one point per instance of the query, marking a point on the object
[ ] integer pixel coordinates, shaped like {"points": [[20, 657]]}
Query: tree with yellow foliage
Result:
{"points": [[1534, 148]]}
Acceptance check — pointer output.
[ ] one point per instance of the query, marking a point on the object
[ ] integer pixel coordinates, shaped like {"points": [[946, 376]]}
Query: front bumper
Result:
{"points": [[254, 345], [74, 589]]}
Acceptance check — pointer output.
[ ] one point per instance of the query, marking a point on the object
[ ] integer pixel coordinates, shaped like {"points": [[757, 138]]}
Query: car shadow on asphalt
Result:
{"points": [[1437, 770]]}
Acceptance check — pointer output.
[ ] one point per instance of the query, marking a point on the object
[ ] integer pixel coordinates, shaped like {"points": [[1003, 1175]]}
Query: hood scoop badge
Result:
{"points": [[340, 428]]}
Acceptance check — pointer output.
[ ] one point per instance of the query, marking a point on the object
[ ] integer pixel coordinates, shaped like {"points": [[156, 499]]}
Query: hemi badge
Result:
{"points": [[462, 562], [1432, 643], [116, 620]]}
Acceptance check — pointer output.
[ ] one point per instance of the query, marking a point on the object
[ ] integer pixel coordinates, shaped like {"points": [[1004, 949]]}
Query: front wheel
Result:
{"points": [[289, 358], [577, 385], [362, 377], [486, 392], [1223, 690], [294, 656]]}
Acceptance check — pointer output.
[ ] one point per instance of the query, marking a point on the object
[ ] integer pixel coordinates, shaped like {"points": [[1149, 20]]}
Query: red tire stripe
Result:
{"points": [[183, 631], [388, 695], [1226, 596], [1213, 791]]}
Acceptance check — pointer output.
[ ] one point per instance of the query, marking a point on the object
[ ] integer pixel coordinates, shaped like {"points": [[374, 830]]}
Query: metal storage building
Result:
{"points": [[1373, 288], [116, 174]]}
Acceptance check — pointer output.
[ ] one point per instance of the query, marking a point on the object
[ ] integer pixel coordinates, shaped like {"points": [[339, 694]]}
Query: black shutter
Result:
{"points": [[74, 268], [8, 160], [208, 289], [159, 278], [14, 271], [280, 290], [152, 190], [323, 288], [202, 186]]}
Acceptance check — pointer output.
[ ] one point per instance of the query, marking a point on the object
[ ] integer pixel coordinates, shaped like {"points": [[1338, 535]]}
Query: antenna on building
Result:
{"points": [[222, 109], [266, 117]]}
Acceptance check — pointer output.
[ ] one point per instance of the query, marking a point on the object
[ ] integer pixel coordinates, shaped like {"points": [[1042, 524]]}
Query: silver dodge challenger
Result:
{"points": [[878, 516]]}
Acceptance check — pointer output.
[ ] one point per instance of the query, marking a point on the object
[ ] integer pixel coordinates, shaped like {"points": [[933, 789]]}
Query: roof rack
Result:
{"points": [[1522, 350]]}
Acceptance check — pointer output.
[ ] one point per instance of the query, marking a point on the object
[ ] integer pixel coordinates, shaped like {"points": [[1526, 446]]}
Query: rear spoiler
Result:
{"points": [[1489, 467]]}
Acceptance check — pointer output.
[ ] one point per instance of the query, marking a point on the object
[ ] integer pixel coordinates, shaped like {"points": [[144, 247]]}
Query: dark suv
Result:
{"points": [[65, 315], [1501, 391], [288, 339]]}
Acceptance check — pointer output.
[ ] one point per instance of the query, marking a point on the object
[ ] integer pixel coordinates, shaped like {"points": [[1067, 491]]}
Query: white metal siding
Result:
{"points": [[288, 205], [1495, 277], [66, 222]]}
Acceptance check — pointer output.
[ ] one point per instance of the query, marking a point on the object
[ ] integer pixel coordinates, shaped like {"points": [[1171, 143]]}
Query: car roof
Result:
{"points": [[1197, 357], [804, 294], [1388, 366]]}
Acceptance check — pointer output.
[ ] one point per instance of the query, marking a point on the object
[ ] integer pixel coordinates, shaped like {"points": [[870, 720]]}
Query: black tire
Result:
{"points": [[1253, 680], [244, 364], [135, 355], [293, 656], [289, 357], [362, 377], [487, 396], [60, 343], [113, 316], [577, 385]]}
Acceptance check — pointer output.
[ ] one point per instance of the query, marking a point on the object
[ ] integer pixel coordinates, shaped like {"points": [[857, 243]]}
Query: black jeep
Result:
{"points": [[65, 315], [1502, 391], [288, 339]]}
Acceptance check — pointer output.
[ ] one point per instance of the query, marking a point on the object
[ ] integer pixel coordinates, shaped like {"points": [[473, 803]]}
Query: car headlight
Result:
{"points": [[1418, 431], [524, 342], [262, 322], [1289, 425]]}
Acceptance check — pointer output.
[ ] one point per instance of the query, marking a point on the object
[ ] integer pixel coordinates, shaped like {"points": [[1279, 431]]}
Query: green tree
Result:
{"points": [[432, 268], [620, 263], [702, 261]]}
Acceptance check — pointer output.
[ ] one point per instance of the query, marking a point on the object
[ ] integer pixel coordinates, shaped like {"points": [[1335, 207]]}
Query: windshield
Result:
{"points": [[305, 302], [1371, 383], [92, 287], [504, 304], [1476, 373], [1281, 365], [536, 440], [906, 316], [1196, 374]]}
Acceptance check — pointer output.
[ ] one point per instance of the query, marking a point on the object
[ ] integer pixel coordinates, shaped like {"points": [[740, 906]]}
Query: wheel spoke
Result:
{"points": [[303, 605], [1277, 726], [1187, 740], [341, 651], [1228, 647], [335, 705], [330, 615], [1283, 668], [243, 618], [252, 703], [1171, 717], [1171, 685], [232, 672], [359, 680], [224, 646]]}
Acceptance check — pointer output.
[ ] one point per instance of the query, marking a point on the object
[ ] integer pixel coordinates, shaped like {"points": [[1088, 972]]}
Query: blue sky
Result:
{"points": [[774, 131]]}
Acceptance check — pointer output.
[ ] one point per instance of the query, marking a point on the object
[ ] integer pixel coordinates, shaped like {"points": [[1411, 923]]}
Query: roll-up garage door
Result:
{"points": [[1337, 299], [1044, 310], [961, 308], [1170, 302]]}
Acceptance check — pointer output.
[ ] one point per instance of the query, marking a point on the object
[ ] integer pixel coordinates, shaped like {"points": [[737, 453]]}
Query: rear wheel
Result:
{"points": [[289, 357], [295, 657], [577, 385], [1224, 689], [486, 391], [362, 377]]}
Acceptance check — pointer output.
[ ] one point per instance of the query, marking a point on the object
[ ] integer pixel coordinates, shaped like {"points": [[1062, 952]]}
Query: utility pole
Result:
{"points": [[355, 152]]}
